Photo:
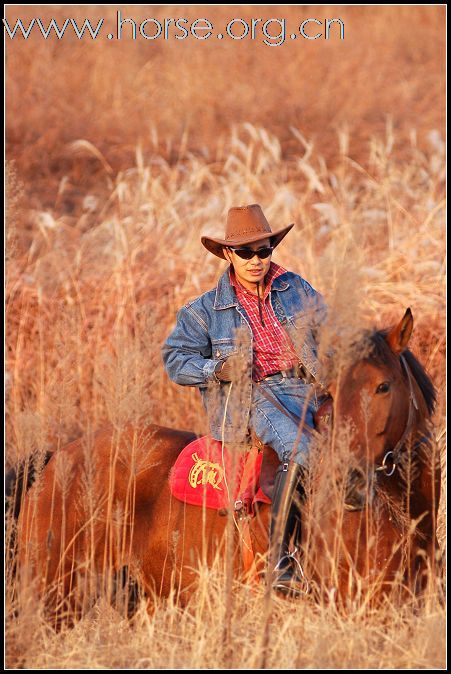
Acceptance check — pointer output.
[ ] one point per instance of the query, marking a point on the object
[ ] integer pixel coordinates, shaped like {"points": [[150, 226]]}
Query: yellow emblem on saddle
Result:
{"points": [[204, 472]]}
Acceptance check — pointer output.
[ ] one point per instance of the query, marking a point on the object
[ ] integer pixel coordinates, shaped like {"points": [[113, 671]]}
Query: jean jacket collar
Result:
{"points": [[225, 294]]}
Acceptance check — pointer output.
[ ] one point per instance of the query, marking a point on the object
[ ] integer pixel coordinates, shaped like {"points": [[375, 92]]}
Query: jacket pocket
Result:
{"points": [[223, 348]]}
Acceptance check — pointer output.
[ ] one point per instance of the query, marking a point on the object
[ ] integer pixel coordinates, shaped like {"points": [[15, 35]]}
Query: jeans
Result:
{"points": [[276, 429]]}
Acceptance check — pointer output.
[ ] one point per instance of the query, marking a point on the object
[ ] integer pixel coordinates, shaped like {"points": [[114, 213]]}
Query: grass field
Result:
{"points": [[118, 158]]}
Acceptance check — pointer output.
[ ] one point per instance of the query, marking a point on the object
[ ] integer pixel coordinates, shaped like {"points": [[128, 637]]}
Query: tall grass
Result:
{"points": [[371, 242], [108, 190], [87, 316], [113, 94], [304, 636]]}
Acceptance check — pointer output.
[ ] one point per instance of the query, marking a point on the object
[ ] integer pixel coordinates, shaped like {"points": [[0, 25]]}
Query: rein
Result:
{"points": [[274, 401], [395, 453]]}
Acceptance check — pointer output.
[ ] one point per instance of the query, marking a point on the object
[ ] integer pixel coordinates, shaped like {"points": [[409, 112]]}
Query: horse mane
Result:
{"points": [[381, 352]]}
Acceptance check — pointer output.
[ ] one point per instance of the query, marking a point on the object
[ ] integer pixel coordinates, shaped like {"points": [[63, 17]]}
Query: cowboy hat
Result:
{"points": [[245, 224]]}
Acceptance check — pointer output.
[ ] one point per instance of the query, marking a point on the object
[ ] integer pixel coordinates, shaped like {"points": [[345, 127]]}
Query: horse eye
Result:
{"points": [[384, 387]]}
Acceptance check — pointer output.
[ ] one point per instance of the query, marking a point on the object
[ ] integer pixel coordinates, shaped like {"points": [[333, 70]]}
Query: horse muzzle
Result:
{"points": [[359, 491]]}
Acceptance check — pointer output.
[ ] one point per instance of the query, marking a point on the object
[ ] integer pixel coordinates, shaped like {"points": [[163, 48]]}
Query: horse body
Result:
{"points": [[104, 503]]}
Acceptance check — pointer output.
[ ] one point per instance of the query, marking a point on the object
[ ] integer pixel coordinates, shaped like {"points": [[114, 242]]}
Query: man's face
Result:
{"points": [[249, 272]]}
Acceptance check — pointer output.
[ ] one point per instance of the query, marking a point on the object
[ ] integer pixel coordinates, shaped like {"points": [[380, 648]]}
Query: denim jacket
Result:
{"points": [[214, 326]]}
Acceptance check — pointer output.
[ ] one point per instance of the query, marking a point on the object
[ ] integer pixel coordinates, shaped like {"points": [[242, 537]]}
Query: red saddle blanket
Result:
{"points": [[202, 475]]}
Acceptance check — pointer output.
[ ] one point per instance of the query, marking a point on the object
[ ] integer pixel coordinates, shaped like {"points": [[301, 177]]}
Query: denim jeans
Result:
{"points": [[276, 429]]}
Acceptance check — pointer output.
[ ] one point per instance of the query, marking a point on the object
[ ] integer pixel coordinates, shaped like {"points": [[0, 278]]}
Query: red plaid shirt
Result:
{"points": [[273, 349]]}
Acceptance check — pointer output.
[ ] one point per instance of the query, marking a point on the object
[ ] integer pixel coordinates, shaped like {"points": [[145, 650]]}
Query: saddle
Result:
{"points": [[204, 475]]}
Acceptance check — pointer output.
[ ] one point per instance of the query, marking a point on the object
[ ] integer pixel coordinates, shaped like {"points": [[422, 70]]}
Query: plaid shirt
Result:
{"points": [[273, 349]]}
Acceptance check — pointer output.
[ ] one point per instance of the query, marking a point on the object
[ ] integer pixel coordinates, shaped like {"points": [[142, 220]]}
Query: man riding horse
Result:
{"points": [[261, 320]]}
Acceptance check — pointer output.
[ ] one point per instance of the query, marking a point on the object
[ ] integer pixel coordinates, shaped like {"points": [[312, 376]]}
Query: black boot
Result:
{"points": [[286, 574]]}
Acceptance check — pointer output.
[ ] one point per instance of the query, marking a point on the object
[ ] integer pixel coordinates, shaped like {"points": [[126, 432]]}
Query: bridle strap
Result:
{"points": [[413, 406]]}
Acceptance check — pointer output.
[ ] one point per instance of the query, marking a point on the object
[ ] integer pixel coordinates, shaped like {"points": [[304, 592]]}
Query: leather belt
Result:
{"points": [[296, 372]]}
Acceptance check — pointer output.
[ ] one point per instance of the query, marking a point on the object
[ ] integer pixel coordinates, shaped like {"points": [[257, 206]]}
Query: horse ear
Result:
{"points": [[398, 337]]}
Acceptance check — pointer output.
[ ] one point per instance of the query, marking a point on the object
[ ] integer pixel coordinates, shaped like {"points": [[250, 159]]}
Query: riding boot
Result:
{"points": [[285, 568]]}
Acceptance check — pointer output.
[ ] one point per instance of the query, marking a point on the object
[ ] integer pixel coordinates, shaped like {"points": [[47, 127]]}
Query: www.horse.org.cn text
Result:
{"points": [[271, 32]]}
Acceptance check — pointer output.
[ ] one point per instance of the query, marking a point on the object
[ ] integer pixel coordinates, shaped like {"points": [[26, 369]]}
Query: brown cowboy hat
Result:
{"points": [[245, 224]]}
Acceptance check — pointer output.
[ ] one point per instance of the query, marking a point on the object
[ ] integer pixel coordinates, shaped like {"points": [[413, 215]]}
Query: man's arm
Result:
{"points": [[187, 351]]}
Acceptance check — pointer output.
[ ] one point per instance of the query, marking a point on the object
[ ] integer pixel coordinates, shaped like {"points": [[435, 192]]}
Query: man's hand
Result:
{"points": [[232, 368]]}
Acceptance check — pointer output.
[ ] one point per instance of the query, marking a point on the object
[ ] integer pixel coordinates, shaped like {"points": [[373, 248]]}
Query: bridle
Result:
{"points": [[393, 456]]}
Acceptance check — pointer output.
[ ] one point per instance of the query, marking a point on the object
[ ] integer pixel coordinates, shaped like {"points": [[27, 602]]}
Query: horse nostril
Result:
{"points": [[356, 477], [358, 491]]}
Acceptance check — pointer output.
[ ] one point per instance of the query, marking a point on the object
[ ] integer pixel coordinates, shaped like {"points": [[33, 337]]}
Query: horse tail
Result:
{"points": [[18, 481]]}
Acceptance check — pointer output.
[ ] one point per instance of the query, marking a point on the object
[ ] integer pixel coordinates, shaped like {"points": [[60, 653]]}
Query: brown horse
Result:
{"points": [[374, 501], [103, 503]]}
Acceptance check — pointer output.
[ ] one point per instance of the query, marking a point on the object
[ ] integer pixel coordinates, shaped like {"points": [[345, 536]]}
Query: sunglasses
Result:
{"points": [[248, 253]]}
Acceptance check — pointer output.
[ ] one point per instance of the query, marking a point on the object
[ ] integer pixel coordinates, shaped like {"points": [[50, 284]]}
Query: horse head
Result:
{"points": [[384, 398]]}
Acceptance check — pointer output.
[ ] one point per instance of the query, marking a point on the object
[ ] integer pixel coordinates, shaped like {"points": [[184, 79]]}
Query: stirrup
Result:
{"points": [[298, 584]]}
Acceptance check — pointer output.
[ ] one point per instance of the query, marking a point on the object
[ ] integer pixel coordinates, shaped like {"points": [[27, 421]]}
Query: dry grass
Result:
{"points": [[304, 636], [114, 94], [104, 215]]}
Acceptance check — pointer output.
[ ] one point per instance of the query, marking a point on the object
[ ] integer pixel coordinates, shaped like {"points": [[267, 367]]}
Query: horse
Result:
{"points": [[103, 503], [373, 532]]}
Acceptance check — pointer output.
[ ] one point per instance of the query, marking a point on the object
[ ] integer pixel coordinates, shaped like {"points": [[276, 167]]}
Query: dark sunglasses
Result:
{"points": [[248, 253]]}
